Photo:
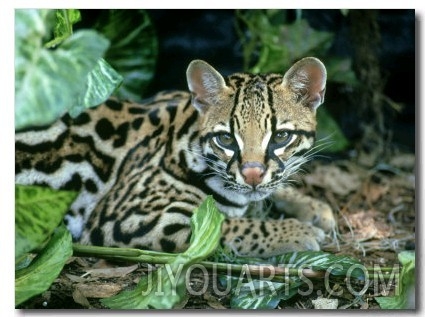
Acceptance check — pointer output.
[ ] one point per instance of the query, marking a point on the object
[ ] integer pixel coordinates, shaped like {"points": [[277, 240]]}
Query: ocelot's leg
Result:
{"points": [[144, 209], [305, 208], [253, 237]]}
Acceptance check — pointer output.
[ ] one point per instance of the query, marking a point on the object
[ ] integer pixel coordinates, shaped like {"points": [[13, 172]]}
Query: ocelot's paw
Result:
{"points": [[251, 237], [318, 214], [305, 208]]}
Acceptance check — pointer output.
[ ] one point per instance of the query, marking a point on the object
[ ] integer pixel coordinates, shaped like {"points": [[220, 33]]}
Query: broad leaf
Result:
{"points": [[259, 295], [336, 265], [284, 44], [101, 83], [47, 81], [405, 288], [253, 296], [166, 287], [340, 70], [38, 211], [45, 268], [249, 293], [65, 19], [265, 294], [133, 51]]}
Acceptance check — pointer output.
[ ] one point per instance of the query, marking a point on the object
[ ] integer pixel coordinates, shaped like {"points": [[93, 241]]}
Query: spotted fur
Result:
{"points": [[141, 169]]}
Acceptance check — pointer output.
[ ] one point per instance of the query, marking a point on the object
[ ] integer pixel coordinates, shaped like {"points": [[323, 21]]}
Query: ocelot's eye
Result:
{"points": [[225, 140], [282, 137]]}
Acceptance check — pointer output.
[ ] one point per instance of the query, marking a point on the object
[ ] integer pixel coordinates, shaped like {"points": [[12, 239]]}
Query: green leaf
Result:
{"points": [[24, 261], [101, 83], [340, 70], [166, 287], [257, 294], [405, 287], [38, 211], [344, 12], [329, 132], [31, 27], [263, 297], [159, 289], [133, 51], [44, 269], [288, 43], [206, 230], [276, 45], [65, 19], [48, 81], [265, 294], [254, 295], [337, 265]]}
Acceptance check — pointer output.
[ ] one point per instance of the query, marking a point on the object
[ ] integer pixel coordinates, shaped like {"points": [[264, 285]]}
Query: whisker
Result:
{"points": [[293, 165], [216, 168]]}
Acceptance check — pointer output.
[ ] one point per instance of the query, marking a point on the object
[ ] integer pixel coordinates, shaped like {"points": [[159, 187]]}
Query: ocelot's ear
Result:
{"points": [[307, 79], [205, 84]]}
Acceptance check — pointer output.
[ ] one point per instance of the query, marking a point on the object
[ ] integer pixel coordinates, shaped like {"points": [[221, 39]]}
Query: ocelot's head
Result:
{"points": [[256, 129]]}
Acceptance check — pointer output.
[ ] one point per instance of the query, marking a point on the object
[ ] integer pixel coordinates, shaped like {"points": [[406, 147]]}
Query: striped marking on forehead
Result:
{"points": [[253, 105], [254, 95], [253, 115], [239, 80]]}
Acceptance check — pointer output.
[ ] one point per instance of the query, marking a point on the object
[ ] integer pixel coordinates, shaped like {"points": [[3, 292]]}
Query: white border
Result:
{"points": [[248, 4], [7, 114]]}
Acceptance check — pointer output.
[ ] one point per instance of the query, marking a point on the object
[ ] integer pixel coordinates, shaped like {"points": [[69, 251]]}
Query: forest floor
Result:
{"points": [[375, 208]]}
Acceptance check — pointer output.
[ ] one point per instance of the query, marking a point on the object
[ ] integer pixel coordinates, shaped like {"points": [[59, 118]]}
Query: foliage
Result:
{"points": [[49, 82], [271, 44], [65, 19], [133, 50], [45, 268], [337, 265], [167, 286], [68, 73], [266, 294], [405, 288], [38, 212], [328, 131]]}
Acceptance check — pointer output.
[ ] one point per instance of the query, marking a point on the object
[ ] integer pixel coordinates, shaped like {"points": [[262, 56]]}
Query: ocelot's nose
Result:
{"points": [[253, 173]]}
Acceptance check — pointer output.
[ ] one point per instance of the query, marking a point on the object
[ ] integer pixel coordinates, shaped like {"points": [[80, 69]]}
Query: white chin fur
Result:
{"points": [[257, 196]]}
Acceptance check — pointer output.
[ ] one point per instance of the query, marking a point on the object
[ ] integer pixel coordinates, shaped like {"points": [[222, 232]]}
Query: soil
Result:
{"points": [[374, 202]]}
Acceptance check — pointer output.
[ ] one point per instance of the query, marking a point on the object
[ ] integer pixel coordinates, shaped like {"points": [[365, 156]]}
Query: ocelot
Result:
{"points": [[141, 169]]}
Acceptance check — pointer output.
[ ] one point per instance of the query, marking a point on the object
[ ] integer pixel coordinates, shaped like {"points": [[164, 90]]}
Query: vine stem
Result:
{"points": [[263, 271]]}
